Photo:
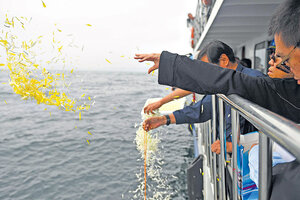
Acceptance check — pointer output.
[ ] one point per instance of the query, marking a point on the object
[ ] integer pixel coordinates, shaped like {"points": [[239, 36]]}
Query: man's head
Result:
{"points": [[218, 53], [285, 27]]}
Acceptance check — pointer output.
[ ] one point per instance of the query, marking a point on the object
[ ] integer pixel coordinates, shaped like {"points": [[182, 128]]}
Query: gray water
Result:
{"points": [[43, 155]]}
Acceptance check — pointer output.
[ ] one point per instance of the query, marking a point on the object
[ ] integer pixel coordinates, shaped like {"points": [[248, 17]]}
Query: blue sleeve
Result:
{"points": [[200, 112]]}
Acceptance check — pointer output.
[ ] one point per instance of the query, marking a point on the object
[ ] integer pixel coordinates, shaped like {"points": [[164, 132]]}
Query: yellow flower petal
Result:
{"points": [[44, 5], [89, 133], [108, 61]]}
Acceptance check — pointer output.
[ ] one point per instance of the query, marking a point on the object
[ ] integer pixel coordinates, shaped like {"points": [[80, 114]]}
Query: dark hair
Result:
{"points": [[202, 52], [286, 22], [246, 62], [216, 48]]}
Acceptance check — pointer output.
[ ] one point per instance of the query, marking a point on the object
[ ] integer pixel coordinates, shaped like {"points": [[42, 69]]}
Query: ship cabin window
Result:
{"points": [[260, 54]]}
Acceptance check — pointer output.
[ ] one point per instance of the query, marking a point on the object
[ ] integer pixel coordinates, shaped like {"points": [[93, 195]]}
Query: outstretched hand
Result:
{"points": [[154, 57], [154, 122], [152, 106]]}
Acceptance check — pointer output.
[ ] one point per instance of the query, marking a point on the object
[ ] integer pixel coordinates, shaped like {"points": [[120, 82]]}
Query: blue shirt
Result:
{"points": [[202, 110]]}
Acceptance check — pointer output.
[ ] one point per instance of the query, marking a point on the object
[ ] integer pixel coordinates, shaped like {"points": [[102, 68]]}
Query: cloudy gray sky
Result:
{"points": [[119, 27]]}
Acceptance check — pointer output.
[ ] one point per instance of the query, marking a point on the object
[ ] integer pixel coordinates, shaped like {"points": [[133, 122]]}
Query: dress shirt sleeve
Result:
{"points": [[197, 113]]}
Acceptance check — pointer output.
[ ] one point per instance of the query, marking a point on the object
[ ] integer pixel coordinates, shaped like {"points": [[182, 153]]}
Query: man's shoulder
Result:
{"points": [[252, 72]]}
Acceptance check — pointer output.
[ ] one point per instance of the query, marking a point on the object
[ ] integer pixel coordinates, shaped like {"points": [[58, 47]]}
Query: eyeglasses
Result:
{"points": [[283, 64]]}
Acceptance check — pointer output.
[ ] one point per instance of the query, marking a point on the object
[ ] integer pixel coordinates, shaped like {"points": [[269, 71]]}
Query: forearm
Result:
{"points": [[178, 93]]}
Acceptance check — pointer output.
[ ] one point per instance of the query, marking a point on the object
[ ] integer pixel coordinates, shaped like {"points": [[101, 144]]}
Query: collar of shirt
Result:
{"points": [[239, 68]]}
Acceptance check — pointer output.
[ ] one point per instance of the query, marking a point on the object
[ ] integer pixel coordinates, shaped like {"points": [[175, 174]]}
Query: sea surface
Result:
{"points": [[44, 153]]}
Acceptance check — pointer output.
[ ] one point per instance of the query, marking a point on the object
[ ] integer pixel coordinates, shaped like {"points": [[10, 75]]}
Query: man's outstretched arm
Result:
{"points": [[277, 95]]}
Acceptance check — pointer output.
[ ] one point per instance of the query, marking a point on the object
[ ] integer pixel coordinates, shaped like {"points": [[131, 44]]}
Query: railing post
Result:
{"points": [[209, 143], [214, 129], [265, 166], [235, 125], [222, 153]]}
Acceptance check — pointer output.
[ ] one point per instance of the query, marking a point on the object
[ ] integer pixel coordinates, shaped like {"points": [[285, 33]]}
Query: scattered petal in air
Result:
{"points": [[79, 115], [75, 126], [2, 64], [153, 73], [88, 141], [59, 30], [72, 71], [122, 56], [83, 95], [167, 88], [88, 24], [5, 102], [89, 98], [44, 5], [45, 109], [89, 133], [108, 61]]}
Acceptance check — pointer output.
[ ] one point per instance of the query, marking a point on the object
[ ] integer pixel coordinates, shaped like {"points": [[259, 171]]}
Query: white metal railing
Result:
{"points": [[201, 18], [271, 126]]}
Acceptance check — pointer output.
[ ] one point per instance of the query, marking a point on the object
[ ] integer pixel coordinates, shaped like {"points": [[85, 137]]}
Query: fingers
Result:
{"points": [[146, 126], [154, 67], [150, 108], [142, 57], [146, 110]]}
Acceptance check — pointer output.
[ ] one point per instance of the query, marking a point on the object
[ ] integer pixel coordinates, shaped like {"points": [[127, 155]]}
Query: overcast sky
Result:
{"points": [[118, 28]]}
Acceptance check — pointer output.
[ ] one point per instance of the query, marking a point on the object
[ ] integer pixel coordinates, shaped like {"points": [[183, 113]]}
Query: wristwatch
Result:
{"points": [[168, 120]]}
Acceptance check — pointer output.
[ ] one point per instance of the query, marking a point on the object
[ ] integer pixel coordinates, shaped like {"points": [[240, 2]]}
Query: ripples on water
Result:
{"points": [[43, 155]]}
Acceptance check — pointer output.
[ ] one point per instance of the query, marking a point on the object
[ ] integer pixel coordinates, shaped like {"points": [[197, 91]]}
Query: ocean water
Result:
{"points": [[44, 156]]}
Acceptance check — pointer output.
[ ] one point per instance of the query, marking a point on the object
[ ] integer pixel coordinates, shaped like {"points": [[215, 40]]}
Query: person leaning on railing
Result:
{"points": [[279, 154], [281, 96], [221, 54]]}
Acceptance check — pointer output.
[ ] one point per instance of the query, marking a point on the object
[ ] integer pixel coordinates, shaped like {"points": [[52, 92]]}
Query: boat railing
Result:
{"points": [[271, 127]]}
